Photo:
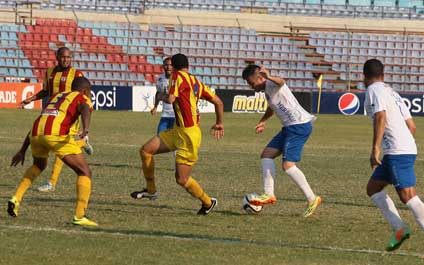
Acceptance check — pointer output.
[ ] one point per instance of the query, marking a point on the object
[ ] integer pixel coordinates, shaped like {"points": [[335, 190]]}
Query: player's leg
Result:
{"points": [[184, 179], [51, 184], [381, 177], [30, 175], [79, 165], [270, 152], [405, 181], [40, 153], [152, 147], [186, 156], [294, 139]]}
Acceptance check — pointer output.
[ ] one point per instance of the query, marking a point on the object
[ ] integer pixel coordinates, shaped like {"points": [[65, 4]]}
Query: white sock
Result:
{"points": [[299, 178], [417, 207], [388, 209], [268, 174]]}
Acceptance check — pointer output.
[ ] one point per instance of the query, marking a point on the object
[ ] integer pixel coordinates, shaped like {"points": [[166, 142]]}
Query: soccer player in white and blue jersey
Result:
{"points": [[167, 119], [297, 127], [394, 131]]}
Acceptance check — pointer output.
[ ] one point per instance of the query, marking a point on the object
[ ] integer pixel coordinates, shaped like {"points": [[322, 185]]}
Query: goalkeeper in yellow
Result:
{"points": [[185, 137]]}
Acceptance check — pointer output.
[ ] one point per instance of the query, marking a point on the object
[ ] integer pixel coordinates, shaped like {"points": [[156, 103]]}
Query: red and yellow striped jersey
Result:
{"points": [[57, 80], [61, 112], [188, 90]]}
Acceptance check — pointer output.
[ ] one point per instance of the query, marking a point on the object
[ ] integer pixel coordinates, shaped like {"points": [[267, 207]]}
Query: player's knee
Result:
{"points": [[40, 163], [405, 195], [181, 180], [143, 153]]}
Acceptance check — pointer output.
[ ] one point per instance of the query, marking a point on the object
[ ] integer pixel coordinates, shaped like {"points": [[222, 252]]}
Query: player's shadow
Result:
{"points": [[112, 165], [163, 234]]}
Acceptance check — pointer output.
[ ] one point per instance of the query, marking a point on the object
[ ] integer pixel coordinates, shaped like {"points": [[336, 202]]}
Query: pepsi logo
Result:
{"points": [[349, 104]]}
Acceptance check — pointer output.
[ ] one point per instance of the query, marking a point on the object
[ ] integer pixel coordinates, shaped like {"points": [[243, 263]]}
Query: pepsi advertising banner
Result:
{"points": [[111, 97], [348, 103]]}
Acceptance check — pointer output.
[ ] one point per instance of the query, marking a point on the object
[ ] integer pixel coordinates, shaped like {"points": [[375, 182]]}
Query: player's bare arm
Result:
{"points": [[41, 94], [379, 125], [275, 79], [85, 118], [158, 97], [411, 126], [260, 127], [218, 127], [19, 157]]}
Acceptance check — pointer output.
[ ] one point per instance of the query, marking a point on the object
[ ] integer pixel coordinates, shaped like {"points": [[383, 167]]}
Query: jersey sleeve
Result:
{"points": [[376, 102], [176, 82], [207, 93], [83, 99]]}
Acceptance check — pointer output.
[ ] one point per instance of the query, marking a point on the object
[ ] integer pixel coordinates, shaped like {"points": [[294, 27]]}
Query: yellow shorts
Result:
{"points": [[60, 145], [75, 128], [186, 141]]}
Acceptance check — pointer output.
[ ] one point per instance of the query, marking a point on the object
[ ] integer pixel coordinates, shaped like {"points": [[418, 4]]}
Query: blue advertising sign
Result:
{"points": [[353, 103], [111, 97]]}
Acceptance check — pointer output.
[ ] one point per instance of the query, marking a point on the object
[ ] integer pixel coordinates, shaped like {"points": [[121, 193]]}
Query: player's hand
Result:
{"points": [[19, 157], [153, 111], [264, 72], [375, 158], [218, 131], [260, 127], [25, 102], [83, 135]]}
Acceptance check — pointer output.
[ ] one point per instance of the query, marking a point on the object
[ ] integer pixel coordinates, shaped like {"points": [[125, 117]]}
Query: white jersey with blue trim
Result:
{"points": [[397, 138], [162, 86], [284, 104]]}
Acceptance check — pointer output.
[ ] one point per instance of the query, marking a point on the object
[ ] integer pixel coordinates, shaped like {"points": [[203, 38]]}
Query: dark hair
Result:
{"points": [[373, 68], [249, 71], [61, 50], [80, 82], [166, 59], [179, 61]]}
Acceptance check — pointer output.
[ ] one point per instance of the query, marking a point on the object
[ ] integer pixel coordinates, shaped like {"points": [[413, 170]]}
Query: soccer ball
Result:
{"points": [[248, 207]]}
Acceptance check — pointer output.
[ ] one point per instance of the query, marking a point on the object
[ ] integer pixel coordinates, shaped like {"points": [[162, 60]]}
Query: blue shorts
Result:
{"points": [[397, 170], [290, 141], [165, 123]]}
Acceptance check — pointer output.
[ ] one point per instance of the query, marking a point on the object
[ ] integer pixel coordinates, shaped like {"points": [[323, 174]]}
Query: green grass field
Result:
{"points": [[347, 229]]}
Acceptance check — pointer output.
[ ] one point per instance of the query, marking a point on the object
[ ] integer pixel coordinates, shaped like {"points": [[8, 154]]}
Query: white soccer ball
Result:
{"points": [[248, 207]]}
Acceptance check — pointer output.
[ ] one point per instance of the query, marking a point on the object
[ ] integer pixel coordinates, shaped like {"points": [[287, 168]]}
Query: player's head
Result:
{"points": [[179, 61], [63, 57], [167, 66], [82, 85], [253, 78], [373, 71]]}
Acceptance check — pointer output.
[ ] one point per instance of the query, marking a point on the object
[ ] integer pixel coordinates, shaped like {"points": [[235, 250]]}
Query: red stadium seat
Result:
{"points": [[149, 68], [141, 68]]}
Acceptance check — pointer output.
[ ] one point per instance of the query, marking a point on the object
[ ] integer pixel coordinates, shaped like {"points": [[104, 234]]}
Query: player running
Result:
{"points": [[297, 127], [167, 119], [394, 131], [51, 133], [185, 137], [59, 79]]}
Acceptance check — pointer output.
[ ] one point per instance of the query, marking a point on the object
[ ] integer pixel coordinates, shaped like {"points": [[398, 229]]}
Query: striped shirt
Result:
{"points": [[58, 80], [61, 112], [188, 90]]}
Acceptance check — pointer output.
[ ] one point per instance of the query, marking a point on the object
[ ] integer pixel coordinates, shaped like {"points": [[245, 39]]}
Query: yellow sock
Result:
{"points": [[80, 143], [148, 165], [57, 168], [30, 174], [194, 189], [83, 195]]}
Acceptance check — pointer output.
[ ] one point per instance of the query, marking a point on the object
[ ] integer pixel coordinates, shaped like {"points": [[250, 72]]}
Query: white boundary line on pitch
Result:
{"points": [[93, 231]]}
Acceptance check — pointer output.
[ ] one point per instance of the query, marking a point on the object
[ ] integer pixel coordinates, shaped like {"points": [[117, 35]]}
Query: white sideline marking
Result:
{"points": [[93, 231]]}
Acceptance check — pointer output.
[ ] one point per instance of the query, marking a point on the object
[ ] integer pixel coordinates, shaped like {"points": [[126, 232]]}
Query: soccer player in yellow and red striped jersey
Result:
{"points": [[51, 132], [184, 93], [59, 79]]}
